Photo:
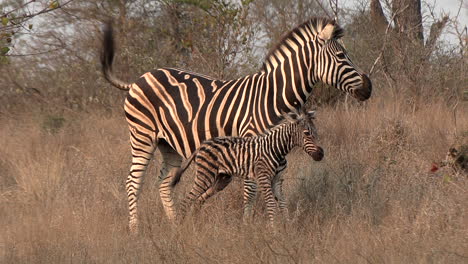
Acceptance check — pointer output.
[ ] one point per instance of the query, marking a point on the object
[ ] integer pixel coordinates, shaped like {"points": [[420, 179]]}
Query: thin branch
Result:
{"points": [[319, 3], [334, 6], [38, 95], [461, 34], [46, 10], [384, 44], [14, 10], [31, 15], [31, 54]]}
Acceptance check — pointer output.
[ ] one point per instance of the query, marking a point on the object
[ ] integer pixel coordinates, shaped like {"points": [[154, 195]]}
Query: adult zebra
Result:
{"points": [[176, 110]]}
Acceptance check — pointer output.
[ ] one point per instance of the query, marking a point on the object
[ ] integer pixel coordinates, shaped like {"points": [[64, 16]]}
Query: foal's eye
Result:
{"points": [[307, 133]]}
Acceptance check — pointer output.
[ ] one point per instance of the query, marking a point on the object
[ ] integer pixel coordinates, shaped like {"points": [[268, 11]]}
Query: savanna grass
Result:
{"points": [[371, 200]]}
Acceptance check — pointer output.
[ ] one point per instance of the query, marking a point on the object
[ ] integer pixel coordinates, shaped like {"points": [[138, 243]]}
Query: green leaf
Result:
{"points": [[54, 4], [447, 178], [4, 36], [246, 2], [4, 50], [4, 60], [5, 21], [30, 26]]}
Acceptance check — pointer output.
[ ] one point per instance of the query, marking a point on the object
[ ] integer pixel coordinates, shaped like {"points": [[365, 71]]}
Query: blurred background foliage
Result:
{"points": [[49, 50]]}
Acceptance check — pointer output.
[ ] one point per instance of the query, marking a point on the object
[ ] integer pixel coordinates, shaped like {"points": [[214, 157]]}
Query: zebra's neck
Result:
{"points": [[286, 90], [291, 75]]}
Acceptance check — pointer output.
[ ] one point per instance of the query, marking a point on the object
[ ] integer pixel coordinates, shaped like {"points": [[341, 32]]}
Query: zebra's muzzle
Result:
{"points": [[365, 91], [318, 155]]}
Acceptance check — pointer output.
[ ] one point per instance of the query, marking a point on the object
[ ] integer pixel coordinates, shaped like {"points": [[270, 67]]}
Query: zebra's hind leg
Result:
{"points": [[171, 161], [143, 147], [250, 193]]}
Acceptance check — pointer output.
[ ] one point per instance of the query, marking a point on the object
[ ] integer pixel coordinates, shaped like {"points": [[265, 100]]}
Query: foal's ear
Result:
{"points": [[290, 117], [310, 114], [285, 115]]}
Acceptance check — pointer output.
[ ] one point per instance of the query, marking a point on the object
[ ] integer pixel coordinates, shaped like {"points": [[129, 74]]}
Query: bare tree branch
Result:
{"points": [[334, 7], [319, 3], [377, 15], [436, 31], [12, 24], [384, 44]]}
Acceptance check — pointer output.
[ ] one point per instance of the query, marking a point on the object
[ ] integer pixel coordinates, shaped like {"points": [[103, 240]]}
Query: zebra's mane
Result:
{"points": [[315, 25]]}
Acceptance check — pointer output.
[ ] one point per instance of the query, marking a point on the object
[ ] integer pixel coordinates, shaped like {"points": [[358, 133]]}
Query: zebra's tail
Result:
{"points": [[183, 167], [107, 57]]}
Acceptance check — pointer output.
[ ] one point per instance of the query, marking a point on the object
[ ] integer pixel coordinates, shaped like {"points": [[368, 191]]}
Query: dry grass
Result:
{"points": [[372, 199]]}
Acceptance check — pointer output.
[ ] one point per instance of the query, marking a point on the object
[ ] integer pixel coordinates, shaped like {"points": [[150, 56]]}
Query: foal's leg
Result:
{"points": [[250, 193], [221, 181], [265, 176], [202, 186], [278, 188]]}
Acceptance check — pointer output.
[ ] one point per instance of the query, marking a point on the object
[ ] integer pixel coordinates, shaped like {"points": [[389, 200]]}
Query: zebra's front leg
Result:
{"points": [[170, 162], [278, 188], [250, 193]]}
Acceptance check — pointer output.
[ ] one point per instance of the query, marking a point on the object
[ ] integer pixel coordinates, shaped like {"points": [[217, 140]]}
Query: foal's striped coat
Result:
{"points": [[254, 159]]}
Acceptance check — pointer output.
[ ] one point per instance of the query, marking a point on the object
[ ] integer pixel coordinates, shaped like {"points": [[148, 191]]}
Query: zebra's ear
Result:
{"points": [[310, 114], [327, 32]]}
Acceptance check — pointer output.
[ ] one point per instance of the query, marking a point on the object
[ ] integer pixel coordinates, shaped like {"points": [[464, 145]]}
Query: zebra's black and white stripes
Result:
{"points": [[176, 110], [253, 159]]}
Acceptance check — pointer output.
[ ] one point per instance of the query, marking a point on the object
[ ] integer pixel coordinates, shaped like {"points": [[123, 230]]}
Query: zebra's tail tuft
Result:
{"points": [[107, 58], [180, 171]]}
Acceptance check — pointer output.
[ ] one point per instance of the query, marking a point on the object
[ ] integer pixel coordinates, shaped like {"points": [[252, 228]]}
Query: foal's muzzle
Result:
{"points": [[318, 155]]}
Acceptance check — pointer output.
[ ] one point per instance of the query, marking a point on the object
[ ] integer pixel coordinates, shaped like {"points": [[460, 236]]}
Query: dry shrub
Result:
{"points": [[372, 199]]}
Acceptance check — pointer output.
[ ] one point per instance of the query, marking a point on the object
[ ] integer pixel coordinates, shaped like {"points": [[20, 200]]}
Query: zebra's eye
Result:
{"points": [[306, 132], [341, 56]]}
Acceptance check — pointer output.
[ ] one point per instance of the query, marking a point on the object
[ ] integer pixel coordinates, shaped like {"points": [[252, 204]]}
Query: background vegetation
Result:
{"points": [[64, 152]]}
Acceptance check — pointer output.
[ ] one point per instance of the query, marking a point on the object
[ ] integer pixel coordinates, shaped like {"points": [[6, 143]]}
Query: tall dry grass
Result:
{"points": [[371, 200]]}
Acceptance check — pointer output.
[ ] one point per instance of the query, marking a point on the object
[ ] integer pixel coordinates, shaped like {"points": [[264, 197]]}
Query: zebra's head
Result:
{"points": [[333, 65], [306, 133]]}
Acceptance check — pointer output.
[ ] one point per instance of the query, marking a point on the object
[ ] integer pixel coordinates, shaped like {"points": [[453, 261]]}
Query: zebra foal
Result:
{"points": [[254, 159]]}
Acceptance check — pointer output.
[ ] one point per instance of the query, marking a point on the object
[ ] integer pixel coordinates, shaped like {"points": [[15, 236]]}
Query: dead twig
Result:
{"points": [[384, 44], [319, 3]]}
